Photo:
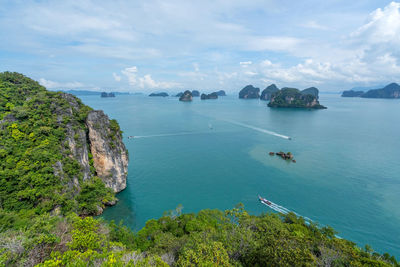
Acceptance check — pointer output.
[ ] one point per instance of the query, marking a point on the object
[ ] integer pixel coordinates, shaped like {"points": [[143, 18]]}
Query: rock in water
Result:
{"points": [[294, 98], [209, 96], [110, 157], [352, 93], [186, 96], [221, 93], [163, 94], [267, 92], [249, 92], [195, 93]]}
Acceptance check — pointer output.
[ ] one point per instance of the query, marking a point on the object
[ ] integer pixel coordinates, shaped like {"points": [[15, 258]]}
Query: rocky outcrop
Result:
{"points": [[352, 93], [294, 98], [249, 92], [221, 93], [110, 158], [311, 91], [105, 94], [195, 93], [186, 96], [163, 94], [179, 94], [209, 96], [267, 92]]}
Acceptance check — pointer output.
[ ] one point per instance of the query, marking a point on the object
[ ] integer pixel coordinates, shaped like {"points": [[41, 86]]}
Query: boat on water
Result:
{"points": [[131, 136], [264, 200]]}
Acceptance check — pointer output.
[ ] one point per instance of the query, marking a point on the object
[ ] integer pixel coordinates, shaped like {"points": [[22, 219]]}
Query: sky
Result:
{"points": [[208, 45]]}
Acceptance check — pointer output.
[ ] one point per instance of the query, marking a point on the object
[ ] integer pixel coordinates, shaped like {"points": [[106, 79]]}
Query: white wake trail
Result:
{"points": [[259, 129]]}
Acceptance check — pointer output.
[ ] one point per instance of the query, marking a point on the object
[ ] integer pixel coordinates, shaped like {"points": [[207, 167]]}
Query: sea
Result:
{"points": [[214, 154]]}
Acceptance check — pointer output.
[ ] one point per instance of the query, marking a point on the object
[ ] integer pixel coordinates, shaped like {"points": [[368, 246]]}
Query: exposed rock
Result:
{"points": [[186, 96], [163, 94], [293, 98], [195, 93], [249, 91], [267, 92], [311, 91], [271, 153], [110, 157], [209, 96], [285, 156], [351, 93], [221, 93], [104, 94]]}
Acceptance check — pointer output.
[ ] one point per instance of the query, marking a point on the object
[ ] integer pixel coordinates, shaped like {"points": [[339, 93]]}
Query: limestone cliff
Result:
{"points": [[110, 156], [94, 140]]}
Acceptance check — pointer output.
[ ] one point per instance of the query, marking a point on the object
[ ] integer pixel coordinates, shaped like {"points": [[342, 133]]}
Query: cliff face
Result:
{"points": [[267, 92], [249, 92], [58, 150], [110, 158], [294, 98], [99, 137], [186, 96]]}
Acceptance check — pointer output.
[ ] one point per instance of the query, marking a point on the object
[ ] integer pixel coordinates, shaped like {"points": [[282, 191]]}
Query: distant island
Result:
{"points": [[267, 92], [352, 93], [213, 95], [163, 94], [249, 92], [221, 93], [104, 94], [195, 93], [86, 92], [294, 98], [186, 96], [389, 91]]}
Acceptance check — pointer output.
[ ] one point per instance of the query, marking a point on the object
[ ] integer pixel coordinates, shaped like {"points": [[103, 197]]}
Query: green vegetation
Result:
{"points": [[208, 238], [294, 98], [37, 170], [42, 194]]}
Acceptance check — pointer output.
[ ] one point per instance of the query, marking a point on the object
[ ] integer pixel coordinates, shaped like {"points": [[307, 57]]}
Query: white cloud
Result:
{"points": [[146, 81], [117, 78], [312, 24], [130, 73], [272, 43], [245, 63], [53, 85], [383, 26]]}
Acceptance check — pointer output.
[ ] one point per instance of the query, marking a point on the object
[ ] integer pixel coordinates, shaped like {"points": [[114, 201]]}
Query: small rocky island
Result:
{"points": [[186, 96], [195, 93], [294, 98], [389, 91], [283, 155], [213, 95], [163, 94], [267, 92], [249, 92], [105, 94], [221, 93]]}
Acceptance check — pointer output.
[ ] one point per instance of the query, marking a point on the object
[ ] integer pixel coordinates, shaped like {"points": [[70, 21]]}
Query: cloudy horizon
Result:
{"points": [[153, 45]]}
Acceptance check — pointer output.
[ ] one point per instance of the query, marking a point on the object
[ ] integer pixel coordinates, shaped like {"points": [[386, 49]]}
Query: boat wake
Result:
{"points": [[281, 209], [259, 129]]}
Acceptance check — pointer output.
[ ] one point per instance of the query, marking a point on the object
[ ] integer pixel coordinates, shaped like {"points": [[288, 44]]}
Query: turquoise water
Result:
{"points": [[347, 173]]}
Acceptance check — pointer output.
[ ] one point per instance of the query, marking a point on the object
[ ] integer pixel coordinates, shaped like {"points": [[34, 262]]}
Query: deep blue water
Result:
{"points": [[347, 173]]}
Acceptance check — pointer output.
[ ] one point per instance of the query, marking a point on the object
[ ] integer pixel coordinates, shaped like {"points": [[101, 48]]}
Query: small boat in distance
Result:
{"points": [[131, 136], [264, 200]]}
